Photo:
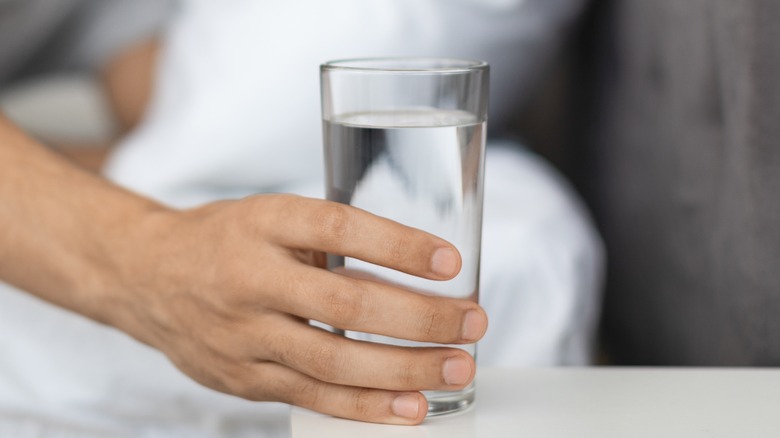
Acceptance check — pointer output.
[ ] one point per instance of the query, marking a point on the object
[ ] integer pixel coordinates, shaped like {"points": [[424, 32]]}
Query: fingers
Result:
{"points": [[336, 359], [370, 405], [339, 229], [371, 307]]}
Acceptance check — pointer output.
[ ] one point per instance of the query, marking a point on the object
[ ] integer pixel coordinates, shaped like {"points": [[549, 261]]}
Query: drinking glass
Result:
{"points": [[405, 139]]}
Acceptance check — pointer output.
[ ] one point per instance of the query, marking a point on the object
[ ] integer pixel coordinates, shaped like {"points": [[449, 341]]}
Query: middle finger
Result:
{"points": [[372, 307], [336, 359]]}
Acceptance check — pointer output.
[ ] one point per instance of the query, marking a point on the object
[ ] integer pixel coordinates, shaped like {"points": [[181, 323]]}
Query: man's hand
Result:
{"points": [[226, 291]]}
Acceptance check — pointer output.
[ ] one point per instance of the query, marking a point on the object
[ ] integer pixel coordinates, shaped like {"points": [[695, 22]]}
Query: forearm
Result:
{"points": [[64, 232], [127, 82]]}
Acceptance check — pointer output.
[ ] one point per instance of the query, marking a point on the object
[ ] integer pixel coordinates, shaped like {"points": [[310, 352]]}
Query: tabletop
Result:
{"points": [[593, 402]]}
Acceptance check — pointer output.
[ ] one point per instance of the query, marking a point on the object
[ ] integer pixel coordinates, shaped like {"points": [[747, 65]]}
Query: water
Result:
{"points": [[422, 168]]}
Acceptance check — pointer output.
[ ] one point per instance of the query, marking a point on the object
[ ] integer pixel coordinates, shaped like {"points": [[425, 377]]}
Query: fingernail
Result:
{"points": [[457, 371], [407, 406], [444, 262], [473, 326]]}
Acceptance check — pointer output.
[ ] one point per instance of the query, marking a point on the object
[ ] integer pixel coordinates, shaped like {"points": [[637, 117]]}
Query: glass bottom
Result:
{"points": [[449, 402]]}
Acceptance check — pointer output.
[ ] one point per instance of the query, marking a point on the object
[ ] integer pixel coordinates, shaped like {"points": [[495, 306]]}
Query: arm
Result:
{"points": [[225, 290], [127, 80]]}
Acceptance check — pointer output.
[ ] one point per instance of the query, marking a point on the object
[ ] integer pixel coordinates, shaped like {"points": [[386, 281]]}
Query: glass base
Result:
{"points": [[449, 402]]}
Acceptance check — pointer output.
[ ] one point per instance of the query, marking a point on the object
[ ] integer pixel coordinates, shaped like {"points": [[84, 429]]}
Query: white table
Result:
{"points": [[593, 402]]}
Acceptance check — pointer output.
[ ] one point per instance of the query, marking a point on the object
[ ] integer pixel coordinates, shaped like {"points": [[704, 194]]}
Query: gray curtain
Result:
{"points": [[41, 36], [677, 148]]}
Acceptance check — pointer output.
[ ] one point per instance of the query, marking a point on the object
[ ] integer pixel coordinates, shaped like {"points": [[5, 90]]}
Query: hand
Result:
{"points": [[226, 292]]}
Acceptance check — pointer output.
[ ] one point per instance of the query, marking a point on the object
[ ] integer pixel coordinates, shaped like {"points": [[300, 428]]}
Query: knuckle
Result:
{"points": [[306, 393], [238, 290], [431, 321], [257, 207], [258, 219], [362, 402], [407, 375], [324, 361], [397, 249], [299, 391], [281, 348], [237, 382], [333, 222], [346, 306]]}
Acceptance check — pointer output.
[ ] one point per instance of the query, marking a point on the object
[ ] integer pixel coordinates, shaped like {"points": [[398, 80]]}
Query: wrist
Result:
{"points": [[135, 269]]}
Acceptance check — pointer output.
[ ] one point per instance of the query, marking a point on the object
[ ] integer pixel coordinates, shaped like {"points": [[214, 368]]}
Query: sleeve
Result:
{"points": [[75, 35], [236, 105], [25, 28]]}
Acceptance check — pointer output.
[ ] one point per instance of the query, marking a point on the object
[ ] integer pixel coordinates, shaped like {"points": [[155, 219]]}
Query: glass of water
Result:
{"points": [[405, 139]]}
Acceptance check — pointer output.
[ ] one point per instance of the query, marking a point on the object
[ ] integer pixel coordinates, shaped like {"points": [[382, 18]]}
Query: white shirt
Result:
{"points": [[254, 65], [236, 111]]}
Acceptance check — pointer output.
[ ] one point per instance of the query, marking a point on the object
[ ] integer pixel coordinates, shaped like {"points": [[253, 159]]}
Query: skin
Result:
{"points": [[128, 83], [226, 290]]}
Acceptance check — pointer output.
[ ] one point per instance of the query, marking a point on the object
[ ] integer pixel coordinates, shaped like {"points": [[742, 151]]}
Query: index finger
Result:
{"points": [[351, 232]]}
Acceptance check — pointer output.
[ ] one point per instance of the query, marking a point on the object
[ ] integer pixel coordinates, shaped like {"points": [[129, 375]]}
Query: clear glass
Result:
{"points": [[405, 139]]}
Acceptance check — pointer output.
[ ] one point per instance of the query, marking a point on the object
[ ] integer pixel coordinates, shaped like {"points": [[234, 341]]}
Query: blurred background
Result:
{"points": [[665, 115]]}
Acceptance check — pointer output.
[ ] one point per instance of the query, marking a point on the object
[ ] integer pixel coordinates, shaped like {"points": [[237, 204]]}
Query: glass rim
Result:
{"points": [[406, 64]]}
